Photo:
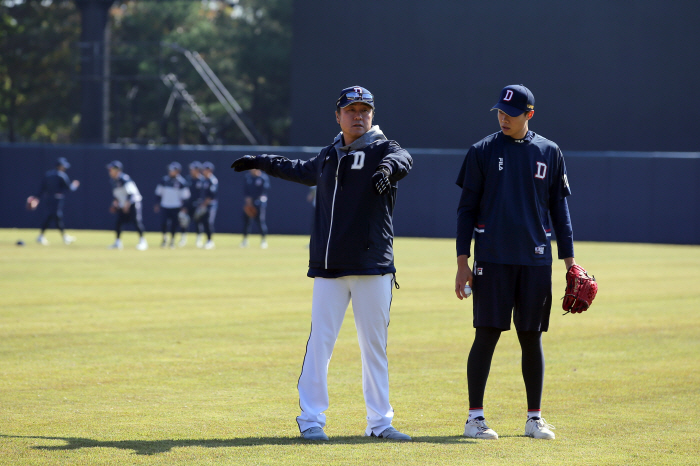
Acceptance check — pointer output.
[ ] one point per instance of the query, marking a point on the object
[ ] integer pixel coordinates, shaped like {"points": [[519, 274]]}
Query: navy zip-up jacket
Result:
{"points": [[55, 183], [353, 231]]}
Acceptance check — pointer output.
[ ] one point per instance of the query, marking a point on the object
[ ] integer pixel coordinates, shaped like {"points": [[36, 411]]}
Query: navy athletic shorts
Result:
{"points": [[524, 291]]}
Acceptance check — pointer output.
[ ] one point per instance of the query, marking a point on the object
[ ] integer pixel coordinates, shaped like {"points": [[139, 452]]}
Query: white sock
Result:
{"points": [[533, 413], [476, 412]]}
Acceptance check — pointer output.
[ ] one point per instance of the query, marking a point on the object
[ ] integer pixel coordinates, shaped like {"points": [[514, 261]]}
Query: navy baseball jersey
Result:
{"points": [[509, 188], [195, 184], [55, 183], [210, 187], [124, 189], [256, 186]]}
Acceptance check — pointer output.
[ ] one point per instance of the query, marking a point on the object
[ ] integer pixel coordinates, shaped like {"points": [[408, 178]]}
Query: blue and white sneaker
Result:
{"points": [[314, 433], [117, 245], [391, 434]]}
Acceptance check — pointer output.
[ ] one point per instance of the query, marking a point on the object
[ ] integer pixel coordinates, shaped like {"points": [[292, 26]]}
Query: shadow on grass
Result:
{"points": [[152, 447]]}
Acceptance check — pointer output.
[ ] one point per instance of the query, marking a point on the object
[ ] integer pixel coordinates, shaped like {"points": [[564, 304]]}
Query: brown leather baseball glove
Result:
{"points": [[250, 210]]}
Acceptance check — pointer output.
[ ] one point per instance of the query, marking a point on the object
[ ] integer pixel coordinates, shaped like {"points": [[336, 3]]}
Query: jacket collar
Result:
{"points": [[373, 135]]}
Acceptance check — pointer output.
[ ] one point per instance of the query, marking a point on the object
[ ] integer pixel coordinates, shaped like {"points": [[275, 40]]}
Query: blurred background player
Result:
{"points": [[256, 187], [126, 204], [172, 192], [206, 211], [54, 186], [513, 182], [195, 181]]}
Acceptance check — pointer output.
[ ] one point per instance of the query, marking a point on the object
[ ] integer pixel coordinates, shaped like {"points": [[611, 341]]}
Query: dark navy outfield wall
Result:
{"points": [[617, 196]]}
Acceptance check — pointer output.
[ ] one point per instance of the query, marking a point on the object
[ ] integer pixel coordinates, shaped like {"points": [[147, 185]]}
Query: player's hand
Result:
{"points": [[380, 181], [156, 208], [464, 277], [32, 202], [247, 162], [75, 184]]}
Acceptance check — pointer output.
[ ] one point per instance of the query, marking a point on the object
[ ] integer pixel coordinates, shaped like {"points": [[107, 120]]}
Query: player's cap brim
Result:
{"points": [[350, 102], [511, 111]]}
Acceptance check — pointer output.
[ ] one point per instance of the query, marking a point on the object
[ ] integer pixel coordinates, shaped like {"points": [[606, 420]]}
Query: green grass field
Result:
{"points": [[189, 356]]}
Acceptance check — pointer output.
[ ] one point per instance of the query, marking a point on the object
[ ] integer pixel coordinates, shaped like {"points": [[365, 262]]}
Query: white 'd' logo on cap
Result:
{"points": [[508, 96]]}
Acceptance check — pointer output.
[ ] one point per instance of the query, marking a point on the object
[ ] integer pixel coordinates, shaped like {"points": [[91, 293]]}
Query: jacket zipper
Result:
{"points": [[335, 190]]}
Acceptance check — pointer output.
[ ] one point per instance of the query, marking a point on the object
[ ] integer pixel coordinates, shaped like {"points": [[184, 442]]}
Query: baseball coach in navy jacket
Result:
{"points": [[351, 255]]}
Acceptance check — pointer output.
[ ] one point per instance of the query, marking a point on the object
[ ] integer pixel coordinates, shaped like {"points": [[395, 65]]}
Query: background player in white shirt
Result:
{"points": [[126, 204]]}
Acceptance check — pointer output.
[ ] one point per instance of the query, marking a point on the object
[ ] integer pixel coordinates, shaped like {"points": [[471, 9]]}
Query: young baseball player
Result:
{"points": [[512, 182], [351, 255], [171, 192], [126, 204], [206, 212], [255, 190], [54, 186], [195, 181]]}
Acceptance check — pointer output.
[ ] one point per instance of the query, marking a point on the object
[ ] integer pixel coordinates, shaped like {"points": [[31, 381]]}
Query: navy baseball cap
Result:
{"points": [[208, 165], [353, 94], [63, 162], [115, 164], [174, 166], [196, 165], [515, 100]]}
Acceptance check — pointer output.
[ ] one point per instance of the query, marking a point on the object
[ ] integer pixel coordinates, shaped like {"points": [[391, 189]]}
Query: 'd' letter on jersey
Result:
{"points": [[359, 160], [541, 170]]}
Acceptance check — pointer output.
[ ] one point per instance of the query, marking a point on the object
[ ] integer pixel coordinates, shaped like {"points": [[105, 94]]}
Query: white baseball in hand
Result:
{"points": [[467, 290]]}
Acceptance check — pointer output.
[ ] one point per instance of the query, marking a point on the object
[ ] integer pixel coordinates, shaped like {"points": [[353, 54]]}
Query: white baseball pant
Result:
{"points": [[371, 300]]}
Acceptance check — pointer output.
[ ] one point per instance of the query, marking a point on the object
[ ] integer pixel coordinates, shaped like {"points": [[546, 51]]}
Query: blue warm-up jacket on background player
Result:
{"points": [[353, 229], [55, 183], [256, 188], [498, 202]]}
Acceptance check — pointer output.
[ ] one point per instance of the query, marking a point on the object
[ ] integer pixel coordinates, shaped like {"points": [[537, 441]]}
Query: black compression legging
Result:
{"points": [[479, 365]]}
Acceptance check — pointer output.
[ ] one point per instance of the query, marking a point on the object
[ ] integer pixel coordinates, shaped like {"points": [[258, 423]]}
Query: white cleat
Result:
{"points": [[117, 245], [244, 243], [142, 246], [68, 239], [183, 242], [41, 240], [199, 243], [263, 244], [477, 428], [536, 427], [209, 245]]}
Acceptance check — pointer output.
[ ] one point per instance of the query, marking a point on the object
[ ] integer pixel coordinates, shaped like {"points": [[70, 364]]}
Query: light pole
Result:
{"points": [[94, 71]]}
